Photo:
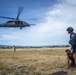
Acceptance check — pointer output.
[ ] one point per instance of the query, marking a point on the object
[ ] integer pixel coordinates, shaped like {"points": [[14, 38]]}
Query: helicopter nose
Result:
{"points": [[27, 25]]}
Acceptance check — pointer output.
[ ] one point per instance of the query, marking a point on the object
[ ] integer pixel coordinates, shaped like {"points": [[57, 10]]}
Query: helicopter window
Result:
{"points": [[12, 22], [21, 22]]}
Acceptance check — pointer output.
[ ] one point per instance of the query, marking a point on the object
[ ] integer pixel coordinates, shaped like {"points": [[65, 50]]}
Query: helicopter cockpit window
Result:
{"points": [[12, 23], [23, 22]]}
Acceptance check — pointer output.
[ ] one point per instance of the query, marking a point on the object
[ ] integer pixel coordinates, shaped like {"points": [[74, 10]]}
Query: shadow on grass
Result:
{"points": [[59, 73]]}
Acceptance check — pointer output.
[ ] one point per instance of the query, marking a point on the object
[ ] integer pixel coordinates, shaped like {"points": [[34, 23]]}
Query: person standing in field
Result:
{"points": [[72, 42], [14, 48]]}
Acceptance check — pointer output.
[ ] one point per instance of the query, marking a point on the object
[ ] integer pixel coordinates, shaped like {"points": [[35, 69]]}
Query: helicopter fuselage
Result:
{"points": [[13, 24]]}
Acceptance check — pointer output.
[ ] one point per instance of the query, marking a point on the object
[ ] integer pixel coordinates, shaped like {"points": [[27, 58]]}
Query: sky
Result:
{"points": [[53, 18]]}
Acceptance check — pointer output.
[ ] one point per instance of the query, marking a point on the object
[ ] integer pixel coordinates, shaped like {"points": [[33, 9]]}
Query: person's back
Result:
{"points": [[73, 42]]}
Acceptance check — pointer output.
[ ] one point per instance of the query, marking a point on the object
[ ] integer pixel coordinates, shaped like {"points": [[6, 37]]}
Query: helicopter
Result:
{"points": [[15, 22]]}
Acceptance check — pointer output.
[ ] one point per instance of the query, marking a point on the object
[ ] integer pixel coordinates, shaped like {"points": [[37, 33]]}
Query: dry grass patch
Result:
{"points": [[34, 61]]}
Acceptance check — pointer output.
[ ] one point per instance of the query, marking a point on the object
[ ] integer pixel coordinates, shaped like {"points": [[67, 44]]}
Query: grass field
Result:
{"points": [[34, 61]]}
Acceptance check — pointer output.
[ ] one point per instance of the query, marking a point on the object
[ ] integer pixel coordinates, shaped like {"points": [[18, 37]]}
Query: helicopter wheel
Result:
{"points": [[20, 27]]}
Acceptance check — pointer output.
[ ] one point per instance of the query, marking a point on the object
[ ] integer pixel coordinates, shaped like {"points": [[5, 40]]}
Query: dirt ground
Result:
{"points": [[34, 61]]}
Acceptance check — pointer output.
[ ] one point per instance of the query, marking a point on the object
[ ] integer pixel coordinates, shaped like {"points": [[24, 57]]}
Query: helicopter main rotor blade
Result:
{"points": [[19, 11], [6, 17]]}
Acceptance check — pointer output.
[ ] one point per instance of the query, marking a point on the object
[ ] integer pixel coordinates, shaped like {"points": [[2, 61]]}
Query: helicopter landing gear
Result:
{"points": [[20, 27]]}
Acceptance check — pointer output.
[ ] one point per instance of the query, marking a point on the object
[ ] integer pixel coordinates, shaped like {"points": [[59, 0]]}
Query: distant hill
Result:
{"points": [[11, 46]]}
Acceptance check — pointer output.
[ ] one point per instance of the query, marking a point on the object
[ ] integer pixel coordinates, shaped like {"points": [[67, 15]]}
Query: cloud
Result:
{"points": [[56, 21]]}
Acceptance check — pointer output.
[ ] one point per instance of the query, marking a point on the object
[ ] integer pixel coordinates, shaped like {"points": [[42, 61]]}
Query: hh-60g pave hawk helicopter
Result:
{"points": [[15, 22]]}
